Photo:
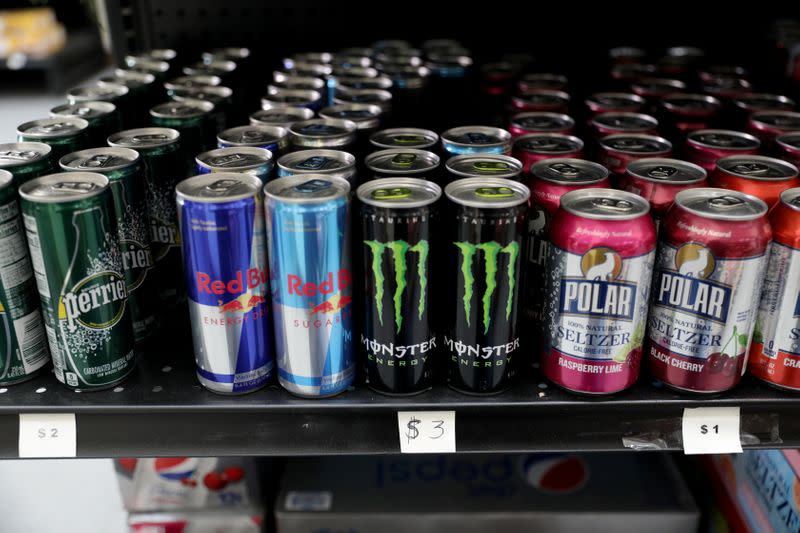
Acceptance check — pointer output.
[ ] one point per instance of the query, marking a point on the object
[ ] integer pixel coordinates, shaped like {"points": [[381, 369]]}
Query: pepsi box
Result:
{"points": [[497, 493], [246, 520], [167, 483]]}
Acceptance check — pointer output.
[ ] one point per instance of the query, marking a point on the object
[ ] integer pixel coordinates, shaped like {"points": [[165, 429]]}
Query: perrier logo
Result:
{"points": [[399, 251], [491, 251]]}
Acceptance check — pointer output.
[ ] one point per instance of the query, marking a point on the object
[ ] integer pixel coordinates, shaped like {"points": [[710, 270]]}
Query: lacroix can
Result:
{"points": [[600, 261], [541, 122], [706, 147], [534, 147], [617, 151], [613, 123], [788, 147], [658, 180], [706, 282], [760, 176], [775, 351]]}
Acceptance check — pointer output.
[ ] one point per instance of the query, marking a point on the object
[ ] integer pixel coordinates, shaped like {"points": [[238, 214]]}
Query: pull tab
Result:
{"points": [[56, 127], [725, 202], [408, 139], [227, 160], [403, 160], [717, 140], [97, 161], [71, 187], [253, 135], [396, 193], [751, 168], [612, 204], [795, 201], [490, 167], [474, 137], [19, 155], [148, 139], [661, 172], [221, 186], [494, 192], [312, 186], [566, 170], [313, 163], [83, 111]]}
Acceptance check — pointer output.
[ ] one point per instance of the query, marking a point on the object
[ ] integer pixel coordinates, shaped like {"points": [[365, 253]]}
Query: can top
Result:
{"points": [[212, 93], [545, 80], [193, 81], [188, 108], [235, 158], [16, 154], [666, 170], [485, 136], [475, 165], [544, 97], [726, 85], [360, 82], [657, 86], [252, 135], [487, 193], [308, 69], [307, 188], [83, 110], [361, 71], [128, 77], [399, 192], [785, 120], [310, 57], [6, 178], [218, 187], [279, 95], [97, 92], [569, 171], [401, 160], [100, 160], [404, 138], [763, 102], [625, 120], [791, 198], [636, 143], [616, 100], [144, 138], [626, 52], [162, 54], [789, 140], [217, 66], [366, 116], [147, 64], [344, 61], [757, 167], [542, 120], [298, 82], [306, 161], [46, 128], [548, 143], [323, 127], [63, 187], [282, 115], [604, 204], [690, 102], [721, 204], [724, 139], [230, 52], [362, 96]]}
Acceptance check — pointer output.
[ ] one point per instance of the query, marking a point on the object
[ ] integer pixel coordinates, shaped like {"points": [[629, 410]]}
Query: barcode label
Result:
{"points": [[55, 352], [36, 256], [31, 337]]}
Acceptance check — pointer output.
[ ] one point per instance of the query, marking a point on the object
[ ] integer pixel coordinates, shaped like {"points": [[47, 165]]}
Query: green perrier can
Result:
{"points": [[164, 166], [23, 344], [193, 119], [125, 172], [25, 160], [72, 235], [62, 134]]}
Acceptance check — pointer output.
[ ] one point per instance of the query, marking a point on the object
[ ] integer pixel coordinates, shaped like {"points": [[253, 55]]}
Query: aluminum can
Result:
{"points": [[706, 147], [483, 166], [103, 118], [282, 117], [534, 147], [250, 160], [25, 161], [114, 93], [62, 134], [658, 180], [541, 122], [616, 151], [328, 162], [272, 138], [404, 138], [760, 176], [767, 125], [378, 97], [366, 116], [788, 147], [408, 162], [614, 123], [476, 139], [293, 98], [193, 119], [685, 112], [542, 80], [541, 100], [614, 102], [323, 133]]}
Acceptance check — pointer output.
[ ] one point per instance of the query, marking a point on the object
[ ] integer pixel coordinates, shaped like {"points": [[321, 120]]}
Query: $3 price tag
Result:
{"points": [[48, 435], [711, 430], [427, 431]]}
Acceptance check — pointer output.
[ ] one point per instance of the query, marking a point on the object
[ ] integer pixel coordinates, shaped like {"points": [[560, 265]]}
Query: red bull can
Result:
{"points": [[222, 228], [309, 258]]}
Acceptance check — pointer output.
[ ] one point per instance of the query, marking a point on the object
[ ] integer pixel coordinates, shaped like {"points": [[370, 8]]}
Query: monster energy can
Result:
{"points": [[25, 160], [125, 172], [72, 236], [62, 134], [23, 345], [398, 340], [488, 240], [164, 167], [103, 118]]}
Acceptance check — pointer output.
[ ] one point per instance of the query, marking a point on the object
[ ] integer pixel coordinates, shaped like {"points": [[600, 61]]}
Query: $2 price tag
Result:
{"points": [[48, 435], [427, 431], [711, 430]]}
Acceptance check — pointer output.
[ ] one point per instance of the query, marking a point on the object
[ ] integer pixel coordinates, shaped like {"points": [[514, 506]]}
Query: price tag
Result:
{"points": [[711, 430], [427, 431], [48, 435]]}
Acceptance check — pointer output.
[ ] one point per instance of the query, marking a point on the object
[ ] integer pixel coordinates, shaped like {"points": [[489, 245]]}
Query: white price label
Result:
{"points": [[48, 435], [711, 430], [427, 431]]}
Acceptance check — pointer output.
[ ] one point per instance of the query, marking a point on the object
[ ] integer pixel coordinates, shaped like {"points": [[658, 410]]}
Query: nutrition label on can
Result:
{"points": [[778, 323]]}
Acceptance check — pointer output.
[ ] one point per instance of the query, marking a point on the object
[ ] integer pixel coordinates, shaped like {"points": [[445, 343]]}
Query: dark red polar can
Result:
{"points": [[616, 151], [750, 103], [600, 262], [767, 125], [706, 147], [689, 112], [788, 147], [706, 284], [542, 80], [653, 89], [727, 88], [534, 147], [614, 123], [659, 179], [614, 102], [540, 122], [542, 100]]}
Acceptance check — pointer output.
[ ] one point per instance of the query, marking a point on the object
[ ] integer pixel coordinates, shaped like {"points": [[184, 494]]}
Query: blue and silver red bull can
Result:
{"points": [[312, 286], [222, 227]]}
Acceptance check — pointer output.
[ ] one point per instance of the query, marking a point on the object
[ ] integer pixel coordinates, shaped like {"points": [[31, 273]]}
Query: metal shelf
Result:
{"points": [[162, 410]]}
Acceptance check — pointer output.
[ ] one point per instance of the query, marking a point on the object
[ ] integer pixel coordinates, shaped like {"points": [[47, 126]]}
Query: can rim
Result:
{"points": [[782, 140], [147, 63], [365, 188], [594, 193], [192, 81], [604, 172], [131, 160], [310, 95], [302, 114], [105, 108], [121, 74], [795, 193], [216, 90], [427, 155], [668, 100], [254, 182], [652, 122], [42, 151], [692, 138], [270, 192], [578, 142], [757, 118], [635, 99], [78, 123], [93, 177], [115, 138], [348, 126], [515, 165], [566, 121], [503, 136], [632, 169], [280, 133], [118, 90], [262, 153], [792, 169], [340, 155], [162, 54], [683, 195], [367, 122], [6, 178], [470, 183], [200, 107], [741, 100], [429, 135], [667, 146]]}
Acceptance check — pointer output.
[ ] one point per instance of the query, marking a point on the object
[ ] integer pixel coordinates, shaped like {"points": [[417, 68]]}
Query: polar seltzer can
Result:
{"points": [[222, 225], [23, 344], [706, 284], [312, 283], [398, 340], [775, 351], [486, 245], [74, 244], [599, 265]]}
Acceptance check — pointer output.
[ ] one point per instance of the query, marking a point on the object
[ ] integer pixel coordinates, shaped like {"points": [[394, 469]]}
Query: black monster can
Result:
{"points": [[487, 244], [398, 341]]}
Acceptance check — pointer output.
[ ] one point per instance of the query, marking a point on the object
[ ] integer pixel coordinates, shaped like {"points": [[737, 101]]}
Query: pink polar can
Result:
{"points": [[706, 147], [788, 146], [600, 262], [534, 147], [616, 151], [540, 122]]}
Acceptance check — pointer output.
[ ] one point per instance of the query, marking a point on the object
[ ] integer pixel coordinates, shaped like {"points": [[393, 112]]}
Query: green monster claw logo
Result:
{"points": [[490, 252], [399, 250]]}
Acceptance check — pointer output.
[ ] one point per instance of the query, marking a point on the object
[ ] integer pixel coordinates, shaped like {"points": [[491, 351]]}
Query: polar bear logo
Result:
{"points": [[696, 268], [603, 271], [601, 264], [537, 221]]}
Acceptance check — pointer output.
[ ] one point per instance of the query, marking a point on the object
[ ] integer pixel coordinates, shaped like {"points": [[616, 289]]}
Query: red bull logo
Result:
{"points": [[242, 304], [329, 286], [331, 305], [242, 282]]}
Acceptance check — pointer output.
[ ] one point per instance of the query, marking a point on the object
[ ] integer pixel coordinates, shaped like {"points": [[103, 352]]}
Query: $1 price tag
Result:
{"points": [[48, 435], [427, 431], [711, 430]]}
